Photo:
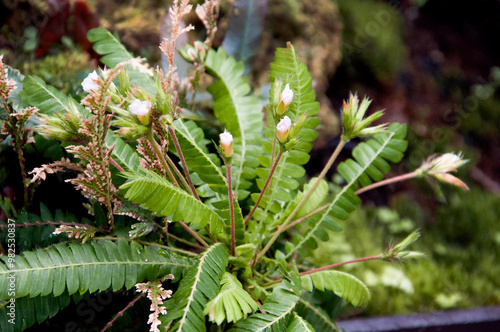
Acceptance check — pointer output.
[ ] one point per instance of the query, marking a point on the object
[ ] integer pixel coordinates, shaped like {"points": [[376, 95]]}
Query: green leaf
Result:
{"points": [[288, 67], [242, 39], [342, 284], [197, 158], [232, 303], [299, 324], [85, 267], [318, 318], [277, 308], [48, 99], [122, 153], [371, 163], [239, 113], [199, 285], [114, 52], [164, 199], [33, 310]]}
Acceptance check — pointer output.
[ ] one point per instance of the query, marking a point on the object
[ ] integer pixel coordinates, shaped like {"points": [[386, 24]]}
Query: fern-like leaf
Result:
{"points": [[315, 315], [288, 67], [197, 157], [199, 285], [371, 162], [342, 284], [48, 99], [164, 199], [85, 267], [277, 308], [299, 324], [31, 310], [239, 113], [114, 52], [232, 303]]}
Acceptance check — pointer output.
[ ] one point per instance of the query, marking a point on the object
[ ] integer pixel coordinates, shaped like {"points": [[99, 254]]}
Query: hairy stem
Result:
{"points": [[387, 181], [193, 233], [268, 181], [304, 199], [183, 161], [231, 208], [160, 155], [122, 312]]}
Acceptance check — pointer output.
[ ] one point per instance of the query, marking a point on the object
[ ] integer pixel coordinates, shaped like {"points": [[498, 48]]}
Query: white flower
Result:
{"points": [[139, 107], [285, 100], [448, 162], [283, 128], [226, 142], [286, 95], [91, 82]]}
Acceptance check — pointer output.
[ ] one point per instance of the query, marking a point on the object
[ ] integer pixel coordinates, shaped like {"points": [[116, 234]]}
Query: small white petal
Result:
{"points": [[91, 82], [226, 138], [284, 125], [287, 95], [139, 107]]}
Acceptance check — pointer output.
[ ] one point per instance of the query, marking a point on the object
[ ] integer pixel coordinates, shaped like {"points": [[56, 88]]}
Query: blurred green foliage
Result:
{"points": [[373, 41], [461, 242]]}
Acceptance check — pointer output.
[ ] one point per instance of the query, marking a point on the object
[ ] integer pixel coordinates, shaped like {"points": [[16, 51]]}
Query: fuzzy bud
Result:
{"points": [[283, 128], [226, 143], [141, 109], [91, 82]]}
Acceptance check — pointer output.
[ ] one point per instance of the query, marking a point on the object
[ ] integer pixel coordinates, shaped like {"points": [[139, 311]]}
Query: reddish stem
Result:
{"points": [[268, 181], [122, 312], [340, 264]]}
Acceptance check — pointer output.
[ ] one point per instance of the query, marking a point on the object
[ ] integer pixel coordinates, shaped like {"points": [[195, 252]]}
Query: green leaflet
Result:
{"points": [[316, 198], [47, 98], [278, 308], [232, 303], [197, 158], [315, 315], [164, 199], [85, 267], [31, 310], [240, 114], [223, 211], [342, 284], [370, 163], [299, 324], [199, 285], [114, 52]]}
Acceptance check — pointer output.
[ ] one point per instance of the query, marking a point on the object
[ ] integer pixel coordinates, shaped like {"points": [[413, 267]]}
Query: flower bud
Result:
{"points": [[141, 109], [91, 82], [286, 98], [226, 143], [283, 128]]}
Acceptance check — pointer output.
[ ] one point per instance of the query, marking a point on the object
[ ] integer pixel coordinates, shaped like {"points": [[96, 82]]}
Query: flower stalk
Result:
{"points": [[266, 184]]}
